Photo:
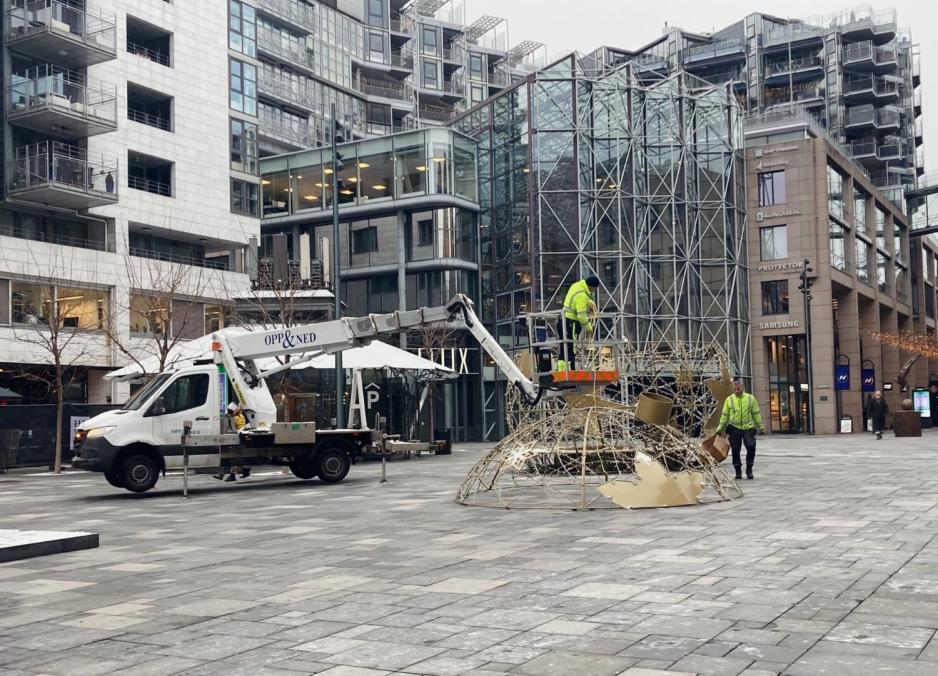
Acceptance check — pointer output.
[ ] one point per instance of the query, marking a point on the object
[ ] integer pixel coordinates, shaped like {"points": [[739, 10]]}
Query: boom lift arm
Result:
{"points": [[237, 353]]}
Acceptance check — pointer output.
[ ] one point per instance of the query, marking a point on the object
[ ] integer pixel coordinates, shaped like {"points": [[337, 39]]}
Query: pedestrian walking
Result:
{"points": [[741, 419], [876, 411]]}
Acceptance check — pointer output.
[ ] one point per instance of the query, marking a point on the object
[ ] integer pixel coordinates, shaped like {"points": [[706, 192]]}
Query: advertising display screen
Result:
{"points": [[922, 401]]}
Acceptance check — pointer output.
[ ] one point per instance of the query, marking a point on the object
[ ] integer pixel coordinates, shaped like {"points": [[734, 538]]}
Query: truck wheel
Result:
{"points": [[138, 473], [114, 478], [303, 467], [332, 464]]}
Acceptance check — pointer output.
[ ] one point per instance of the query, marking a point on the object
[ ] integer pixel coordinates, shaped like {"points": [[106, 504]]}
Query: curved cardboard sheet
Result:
{"points": [[656, 487]]}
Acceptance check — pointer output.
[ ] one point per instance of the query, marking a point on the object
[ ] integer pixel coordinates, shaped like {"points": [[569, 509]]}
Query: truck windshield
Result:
{"points": [[141, 397]]}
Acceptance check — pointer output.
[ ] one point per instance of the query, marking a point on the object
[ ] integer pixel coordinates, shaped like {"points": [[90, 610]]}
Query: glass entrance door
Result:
{"points": [[788, 390]]}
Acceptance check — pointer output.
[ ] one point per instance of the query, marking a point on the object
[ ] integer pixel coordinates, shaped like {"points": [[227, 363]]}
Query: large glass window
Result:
{"points": [[430, 74], [476, 68], [476, 93], [411, 164], [30, 303], [838, 253], [244, 198], [864, 253], [242, 28], [376, 169], [376, 49], [835, 192], [428, 41], [882, 278], [771, 188], [880, 229], [185, 393], [243, 146], [243, 87], [149, 315], [376, 14], [365, 240], [775, 297], [773, 242], [82, 309], [860, 200]]}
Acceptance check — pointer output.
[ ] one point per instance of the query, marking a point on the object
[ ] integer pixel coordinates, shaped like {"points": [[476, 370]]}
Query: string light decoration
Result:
{"points": [[924, 344]]}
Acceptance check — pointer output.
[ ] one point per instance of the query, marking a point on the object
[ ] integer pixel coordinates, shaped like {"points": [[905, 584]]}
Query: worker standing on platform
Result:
{"points": [[578, 309]]}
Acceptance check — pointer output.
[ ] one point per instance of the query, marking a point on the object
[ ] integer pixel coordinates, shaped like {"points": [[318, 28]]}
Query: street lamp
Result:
{"points": [[805, 289], [339, 371]]}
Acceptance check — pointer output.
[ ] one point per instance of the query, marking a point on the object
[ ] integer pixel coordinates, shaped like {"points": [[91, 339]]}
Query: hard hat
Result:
{"points": [[233, 407]]}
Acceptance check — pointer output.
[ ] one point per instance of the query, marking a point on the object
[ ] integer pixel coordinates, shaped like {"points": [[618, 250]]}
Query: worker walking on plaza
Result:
{"points": [[741, 419], [876, 411], [578, 309]]}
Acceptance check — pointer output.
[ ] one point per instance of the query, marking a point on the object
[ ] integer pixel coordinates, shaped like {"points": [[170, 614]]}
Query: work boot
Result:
{"points": [[231, 477], [749, 472], [879, 435], [245, 472], [219, 476], [739, 473]]}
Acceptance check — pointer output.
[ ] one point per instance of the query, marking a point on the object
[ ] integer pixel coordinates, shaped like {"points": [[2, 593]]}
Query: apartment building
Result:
{"points": [[127, 205], [856, 72]]}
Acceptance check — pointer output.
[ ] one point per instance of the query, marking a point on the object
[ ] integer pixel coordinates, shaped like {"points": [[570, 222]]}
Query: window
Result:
{"points": [[376, 16], [771, 188], [365, 240], [149, 315], [242, 27], [430, 79], [30, 303], [475, 67], [880, 229], [243, 87], [185, 393], [881, 262], [835, 192], [244, 146], [838, 256], [773, 242], [428, 41], [376, 46], [859, 209], [477, 92], [425, 233], [244, 198], [214, 318], [82, 309], [864, 252], [775, 298]]}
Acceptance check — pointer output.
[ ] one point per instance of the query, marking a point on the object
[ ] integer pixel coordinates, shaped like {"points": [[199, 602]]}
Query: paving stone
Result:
{"points": [[711, 666], [392, 656], [564, 663]]}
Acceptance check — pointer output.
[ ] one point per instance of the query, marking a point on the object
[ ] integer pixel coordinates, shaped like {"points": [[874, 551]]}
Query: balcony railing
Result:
{"points": [[56, 165], [273, 42], [436, 114], [150, 185], [50, 238], [793, 32], [869, 115], [878, 86], [451, 87], [714, 50], [93, 30], [147, 53], [296, 13], [390, 90], [795, 65], [155, 254], [402, 59], [287, 88], [498, 79], [401, 24], [148, 119], [454, 53], [292, 131], [382, 129]]}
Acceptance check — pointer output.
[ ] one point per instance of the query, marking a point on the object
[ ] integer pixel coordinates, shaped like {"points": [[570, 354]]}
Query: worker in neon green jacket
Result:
{"points": [[578, 307], [741, 419]]}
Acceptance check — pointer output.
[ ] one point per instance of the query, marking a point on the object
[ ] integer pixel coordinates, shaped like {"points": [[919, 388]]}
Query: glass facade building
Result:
{"points": [[588, 170]]}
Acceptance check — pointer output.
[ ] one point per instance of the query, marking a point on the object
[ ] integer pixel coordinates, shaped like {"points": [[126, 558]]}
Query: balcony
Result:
{"points": [[499, 80], [401, 25], [149, 107], [274, 44], [873, 151], [402, 60], [780, 36], [292, 133], [784, 96], [867, 89], [918, 133], [454, 54], [55, 31], [59, 175], [385, 89], [917, 103], [286, 89], [715, 51], [863, 149], [870, 117], [35, 235], [879, 28], [297, 14], [865, 57], [58, 102], [436, 113], [807, 68]]}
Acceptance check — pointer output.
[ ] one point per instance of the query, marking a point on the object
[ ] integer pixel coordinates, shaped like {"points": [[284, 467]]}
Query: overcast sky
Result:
{"points": [[586, 24]]}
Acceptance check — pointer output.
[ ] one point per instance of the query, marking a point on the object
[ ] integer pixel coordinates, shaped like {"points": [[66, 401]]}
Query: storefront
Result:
{"points": [[788, 384]]}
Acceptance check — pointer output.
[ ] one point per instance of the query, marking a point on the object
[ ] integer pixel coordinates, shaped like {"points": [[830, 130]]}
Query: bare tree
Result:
{"points": [[434, 338], [165, 306], [58, 323]]}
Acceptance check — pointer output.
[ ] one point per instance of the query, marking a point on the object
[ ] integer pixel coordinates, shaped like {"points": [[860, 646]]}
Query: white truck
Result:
{"points": [[132, 445]]}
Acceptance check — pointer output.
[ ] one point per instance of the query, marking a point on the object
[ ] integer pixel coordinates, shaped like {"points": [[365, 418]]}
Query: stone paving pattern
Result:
{"points": [[828, 565]]}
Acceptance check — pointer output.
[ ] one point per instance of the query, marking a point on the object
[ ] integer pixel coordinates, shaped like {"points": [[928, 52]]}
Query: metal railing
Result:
{"points": [[715, 49], [150, 185], [51, 87], [292, 131], [147, 53], [388, 90], [29, 17], [498, 79], [287, 88], [273, 42], [402, 59], [451, 87], [148, 119], [454, 53], [795, 65], [862, 148], [436, 114], [381, 129], [154, 254], [793, 32], [293, 11], [879, 86], [53, 163], [402, 24], [20, 232]]}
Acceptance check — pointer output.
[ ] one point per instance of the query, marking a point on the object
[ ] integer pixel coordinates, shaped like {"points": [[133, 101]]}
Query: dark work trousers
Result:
{"points": [[572, 328], [737, 438]]}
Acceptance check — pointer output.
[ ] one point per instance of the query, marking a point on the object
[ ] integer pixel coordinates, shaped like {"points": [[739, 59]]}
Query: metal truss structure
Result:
{"points": [[599, 171]]}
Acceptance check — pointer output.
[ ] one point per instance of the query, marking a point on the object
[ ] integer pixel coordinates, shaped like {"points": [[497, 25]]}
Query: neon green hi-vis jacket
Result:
{"points": [[578, 303], [742, 412]]}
